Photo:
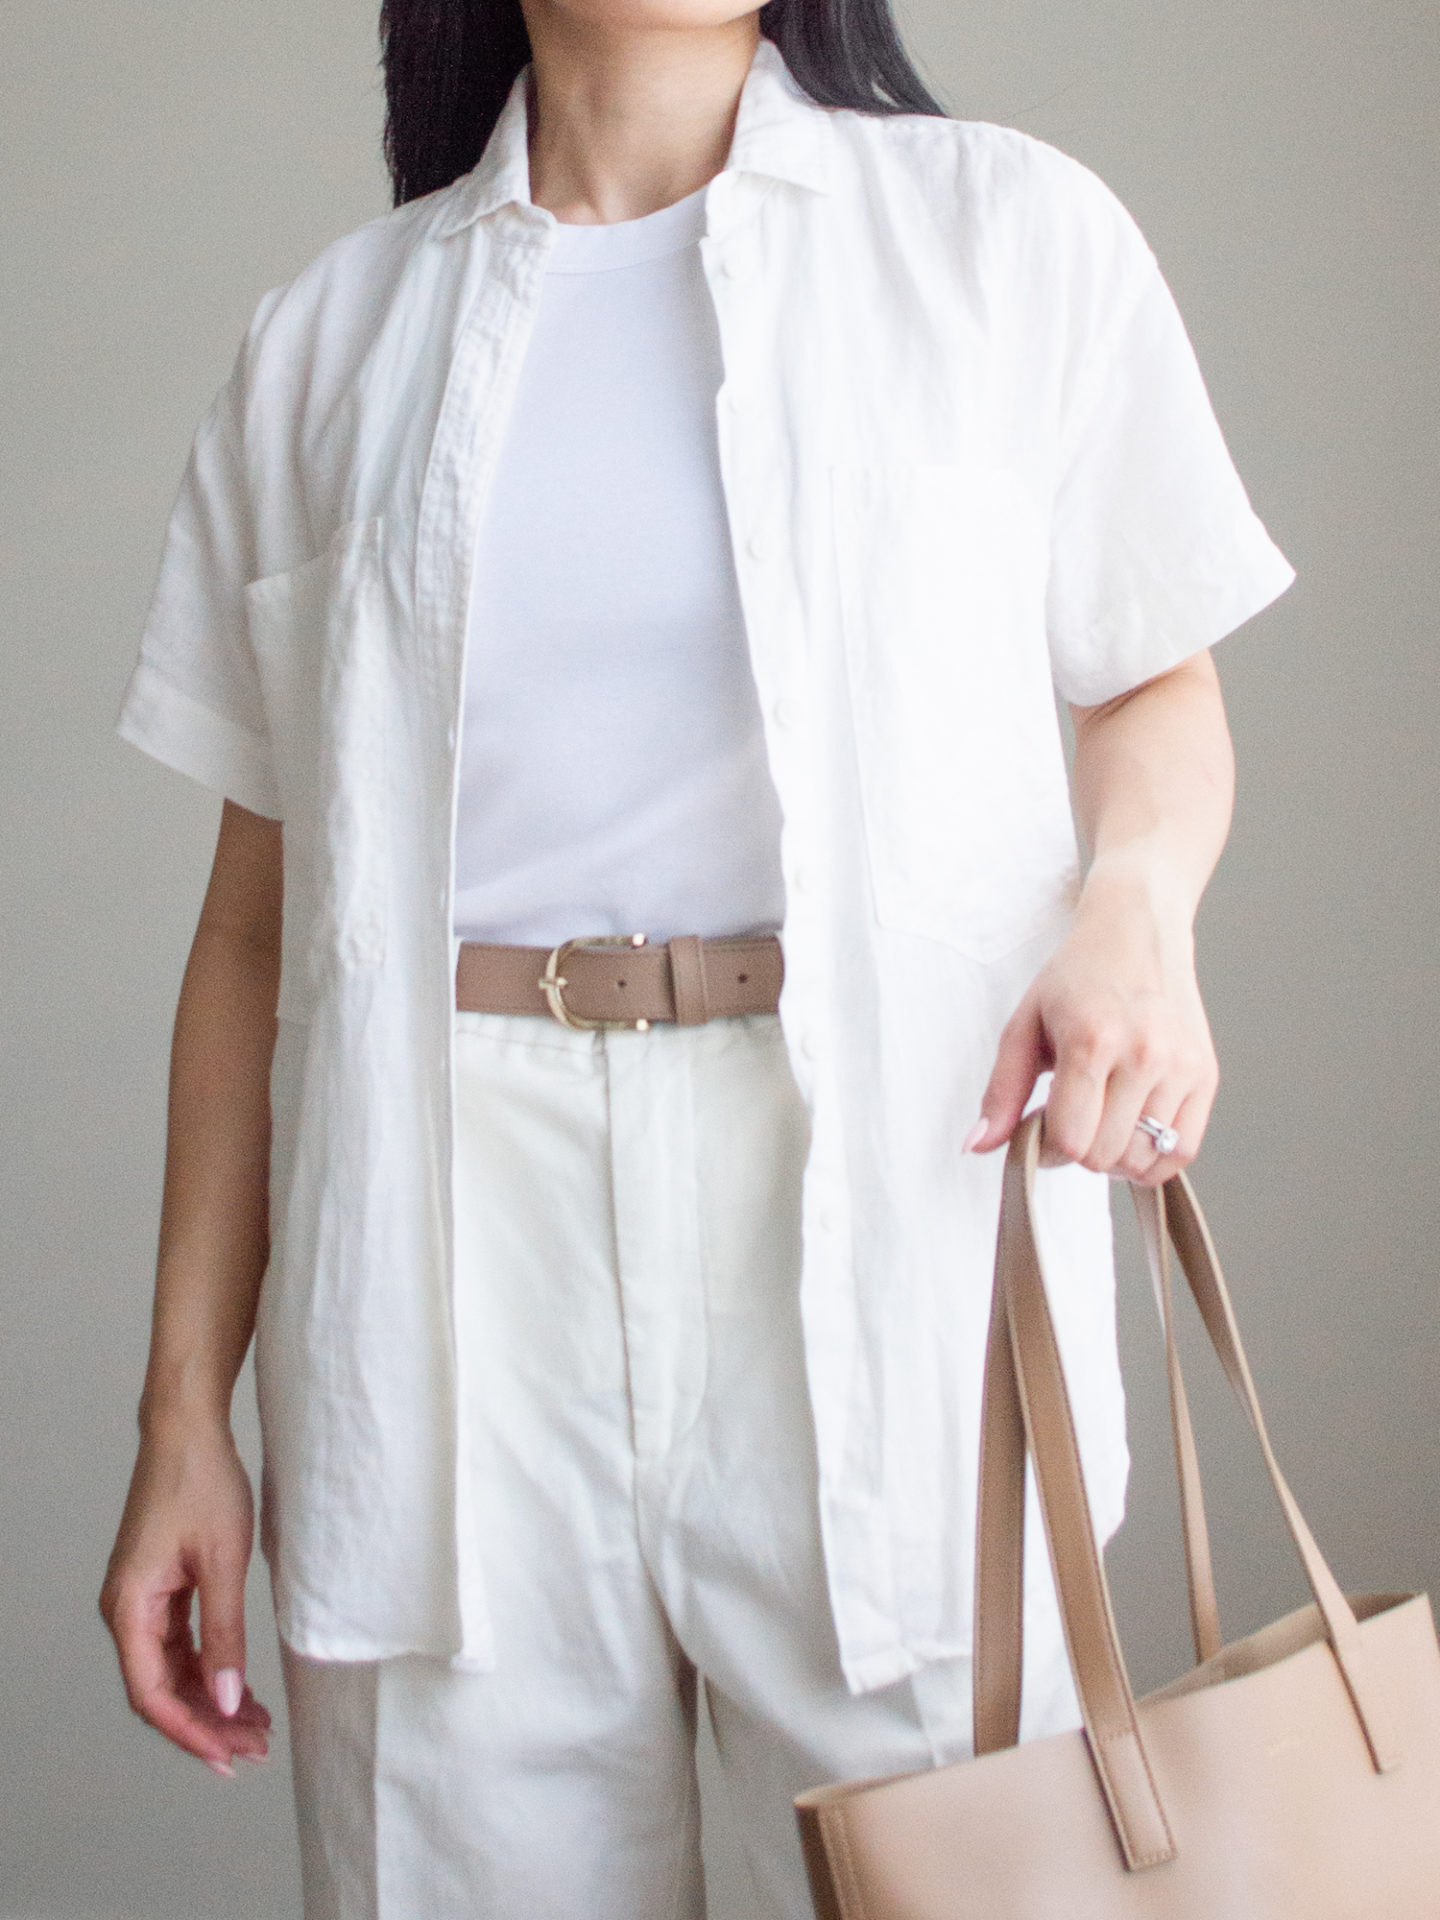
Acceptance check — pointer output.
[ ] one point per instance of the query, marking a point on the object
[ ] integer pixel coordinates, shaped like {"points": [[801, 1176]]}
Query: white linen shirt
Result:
{"points": [[968, 461]]}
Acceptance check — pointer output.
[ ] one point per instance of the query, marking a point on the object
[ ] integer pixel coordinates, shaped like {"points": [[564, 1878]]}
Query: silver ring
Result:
{"points": [[1166, 1138]]}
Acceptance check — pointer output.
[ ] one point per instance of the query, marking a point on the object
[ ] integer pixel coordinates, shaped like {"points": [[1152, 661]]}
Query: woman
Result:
{"points": [[676, 519]]}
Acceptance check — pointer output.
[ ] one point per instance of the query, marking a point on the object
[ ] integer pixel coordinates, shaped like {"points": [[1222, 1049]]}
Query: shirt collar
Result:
{"points": [[779, 131]]}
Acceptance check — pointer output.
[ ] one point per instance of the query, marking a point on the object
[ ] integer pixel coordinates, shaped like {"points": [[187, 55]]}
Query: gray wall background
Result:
{"points": [[166, 163]]}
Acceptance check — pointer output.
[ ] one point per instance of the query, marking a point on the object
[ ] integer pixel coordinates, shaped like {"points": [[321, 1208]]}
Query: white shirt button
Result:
{"points": [[728, 266], [786, 712], [828, 1219], [761, 543], [801, 879], [809, 1046]]}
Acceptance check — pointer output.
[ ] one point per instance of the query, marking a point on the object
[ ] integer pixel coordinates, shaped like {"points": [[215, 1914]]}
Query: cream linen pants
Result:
{"points": [[628, 1241]]}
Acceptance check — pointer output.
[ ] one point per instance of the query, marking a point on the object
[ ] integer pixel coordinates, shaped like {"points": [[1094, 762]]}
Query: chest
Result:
{"points": [[861, 369], [881, 436]]}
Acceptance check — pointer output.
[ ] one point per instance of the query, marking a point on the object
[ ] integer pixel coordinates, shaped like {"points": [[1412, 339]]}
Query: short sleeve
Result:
{"points": [[1156, 551], [193, 698]]}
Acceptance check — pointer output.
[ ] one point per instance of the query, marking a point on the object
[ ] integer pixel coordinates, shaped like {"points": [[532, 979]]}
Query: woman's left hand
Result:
{"points": [[1117, 1014]]}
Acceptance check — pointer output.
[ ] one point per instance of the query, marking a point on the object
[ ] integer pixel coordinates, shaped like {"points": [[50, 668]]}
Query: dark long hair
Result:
{"points": [[450, 64]]}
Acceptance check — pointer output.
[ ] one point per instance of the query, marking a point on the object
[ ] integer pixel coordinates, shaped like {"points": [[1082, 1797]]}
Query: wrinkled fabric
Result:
{"points": [[642, 1461], [968, 462]]}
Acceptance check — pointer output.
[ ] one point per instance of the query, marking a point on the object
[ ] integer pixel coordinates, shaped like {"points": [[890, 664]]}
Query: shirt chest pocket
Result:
{"points": [[942, 575], [319, 638]]}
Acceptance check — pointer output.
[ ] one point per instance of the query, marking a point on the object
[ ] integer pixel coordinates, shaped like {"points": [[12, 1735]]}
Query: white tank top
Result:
{"points": [[613, 776]]}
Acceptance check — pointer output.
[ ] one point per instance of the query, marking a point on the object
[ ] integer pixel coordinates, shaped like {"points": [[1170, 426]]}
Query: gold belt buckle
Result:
{"points": [[552, 984]]}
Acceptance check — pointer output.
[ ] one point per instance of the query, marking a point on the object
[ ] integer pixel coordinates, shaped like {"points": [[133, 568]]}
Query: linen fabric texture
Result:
{"points": [[641, 1460], [968, 460]]}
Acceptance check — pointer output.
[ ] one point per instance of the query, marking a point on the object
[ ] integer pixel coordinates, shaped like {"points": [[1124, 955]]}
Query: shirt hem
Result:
{"points": [[313, 1644], [884, 1666]]}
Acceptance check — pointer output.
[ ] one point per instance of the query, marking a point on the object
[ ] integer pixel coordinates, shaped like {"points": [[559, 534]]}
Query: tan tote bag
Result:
{"points": [[1292, 1775]]}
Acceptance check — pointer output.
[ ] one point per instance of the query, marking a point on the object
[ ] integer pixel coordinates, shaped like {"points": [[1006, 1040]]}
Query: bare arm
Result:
{"points": [[187, 1526], [1117, 1011]]}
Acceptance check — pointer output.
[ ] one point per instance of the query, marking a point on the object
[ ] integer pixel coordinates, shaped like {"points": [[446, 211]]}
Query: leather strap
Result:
{"points": [[999, 1567], [1199, 1564], [1036, 1384], [1106, 1697], [688, 980], [1180, 1213]]}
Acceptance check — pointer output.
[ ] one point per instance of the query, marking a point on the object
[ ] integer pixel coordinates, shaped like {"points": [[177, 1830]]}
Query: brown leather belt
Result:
{"points": [[622, 981]]}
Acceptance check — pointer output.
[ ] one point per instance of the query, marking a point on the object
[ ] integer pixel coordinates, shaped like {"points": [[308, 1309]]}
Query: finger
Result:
{"points": [[249, 1725], [240, 1733], [1141, 1156], [221, 1589], [1084, 1062], [1189, 1122], [1022, 1057], [144, 1625], [1119, 1146], [245, 1732], [253, 1712]]}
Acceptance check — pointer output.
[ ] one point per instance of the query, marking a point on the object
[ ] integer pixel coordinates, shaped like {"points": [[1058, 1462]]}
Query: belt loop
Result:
{"points": [[687, 978]]}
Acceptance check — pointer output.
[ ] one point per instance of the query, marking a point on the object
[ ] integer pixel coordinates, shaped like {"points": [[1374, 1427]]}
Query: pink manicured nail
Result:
{"points": [[219, 1766], [228, 1689], [976, 1134]]}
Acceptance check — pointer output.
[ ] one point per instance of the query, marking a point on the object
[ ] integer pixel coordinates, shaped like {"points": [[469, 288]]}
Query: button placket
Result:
{"points": [[463, 453], [755, 477]]}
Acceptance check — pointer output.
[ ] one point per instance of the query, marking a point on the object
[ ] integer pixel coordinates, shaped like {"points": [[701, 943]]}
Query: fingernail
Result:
{"points": [[225, 1771], [976, 1134], [228, 1689]]}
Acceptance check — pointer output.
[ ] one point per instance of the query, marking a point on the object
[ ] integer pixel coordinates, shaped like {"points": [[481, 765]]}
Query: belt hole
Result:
{"points": [[742, 978]]}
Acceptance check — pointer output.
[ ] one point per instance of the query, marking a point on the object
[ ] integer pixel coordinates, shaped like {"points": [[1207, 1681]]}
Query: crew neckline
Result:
{"points": [[586, 247]]}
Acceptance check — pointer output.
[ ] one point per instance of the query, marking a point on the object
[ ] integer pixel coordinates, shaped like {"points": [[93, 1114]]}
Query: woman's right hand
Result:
{"points": [[186, 1535]]}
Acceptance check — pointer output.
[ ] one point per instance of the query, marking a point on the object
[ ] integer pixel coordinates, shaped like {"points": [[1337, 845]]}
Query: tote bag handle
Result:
{"points": [[1027, 1407], [1199, 1564]]}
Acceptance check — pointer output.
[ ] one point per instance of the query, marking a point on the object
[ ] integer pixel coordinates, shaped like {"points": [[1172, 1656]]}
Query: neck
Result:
{"points": [[624, 121]]}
